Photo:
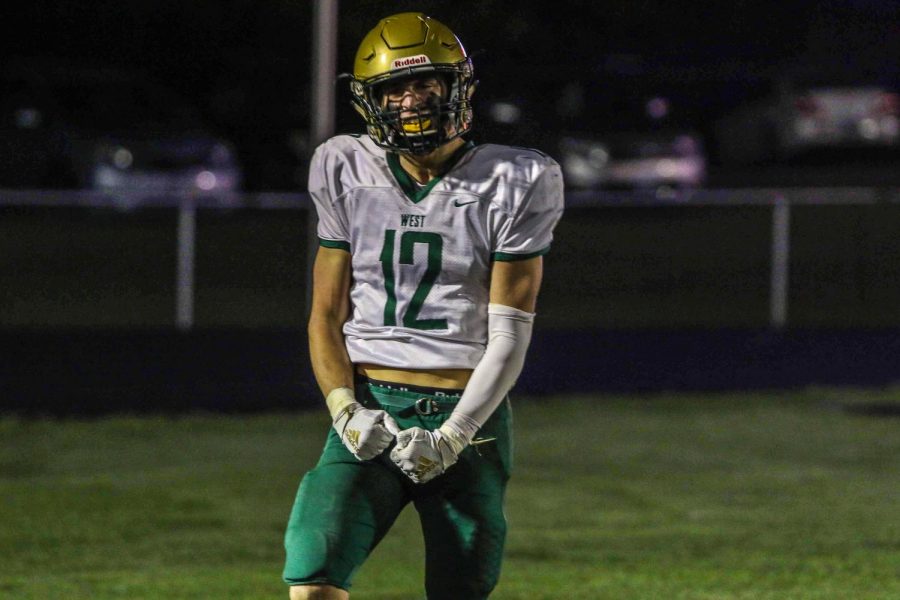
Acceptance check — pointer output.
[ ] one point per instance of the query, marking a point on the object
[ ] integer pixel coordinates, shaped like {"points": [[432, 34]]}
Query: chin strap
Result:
{"points": [[509, 333]]}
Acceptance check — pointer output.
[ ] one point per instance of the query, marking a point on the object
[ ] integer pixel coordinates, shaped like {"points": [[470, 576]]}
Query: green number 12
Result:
{"points": [[408, 241]]}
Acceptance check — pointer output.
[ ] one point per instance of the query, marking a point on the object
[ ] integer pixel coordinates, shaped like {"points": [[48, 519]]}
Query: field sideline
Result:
{"points": [[718, 496]]}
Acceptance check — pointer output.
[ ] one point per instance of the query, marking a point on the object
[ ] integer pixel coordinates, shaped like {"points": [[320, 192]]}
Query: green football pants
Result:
{"points": [[344, 507]]}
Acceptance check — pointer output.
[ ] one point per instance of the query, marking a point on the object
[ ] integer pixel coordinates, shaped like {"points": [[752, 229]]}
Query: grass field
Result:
{"points": [[783, 495]]}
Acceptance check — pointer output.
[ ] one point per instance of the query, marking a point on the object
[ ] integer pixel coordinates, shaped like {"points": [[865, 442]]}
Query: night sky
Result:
{"points": [[247, 63]]}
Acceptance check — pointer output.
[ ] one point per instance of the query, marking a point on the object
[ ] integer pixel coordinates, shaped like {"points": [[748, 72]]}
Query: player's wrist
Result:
{"points": [[341, 402], [455, 439], [461, 426]]}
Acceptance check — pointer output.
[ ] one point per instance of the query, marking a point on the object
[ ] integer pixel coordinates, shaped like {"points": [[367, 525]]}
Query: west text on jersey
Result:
{"points": [[412, 220]]}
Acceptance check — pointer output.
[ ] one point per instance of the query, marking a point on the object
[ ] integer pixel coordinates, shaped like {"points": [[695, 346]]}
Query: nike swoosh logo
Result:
{"points": [[458, 203]]}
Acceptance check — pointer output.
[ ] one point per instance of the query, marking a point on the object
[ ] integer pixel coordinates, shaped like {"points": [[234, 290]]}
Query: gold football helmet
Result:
{"points": [[409, 45]]}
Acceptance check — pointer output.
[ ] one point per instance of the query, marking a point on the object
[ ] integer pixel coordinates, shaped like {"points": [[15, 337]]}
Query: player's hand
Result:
{"points": [[423, 455], [365, 432]]}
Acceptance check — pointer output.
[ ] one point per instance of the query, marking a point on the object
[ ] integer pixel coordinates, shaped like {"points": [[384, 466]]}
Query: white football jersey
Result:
{"points": [[422, 255]]}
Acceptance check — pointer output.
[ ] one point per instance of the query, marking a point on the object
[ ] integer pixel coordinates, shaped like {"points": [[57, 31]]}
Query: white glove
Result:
{"points": [[365, 432], [423, 455]]}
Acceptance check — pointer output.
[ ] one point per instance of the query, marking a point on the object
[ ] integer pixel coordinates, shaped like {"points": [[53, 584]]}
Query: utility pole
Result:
{"points": [[322, 116]]}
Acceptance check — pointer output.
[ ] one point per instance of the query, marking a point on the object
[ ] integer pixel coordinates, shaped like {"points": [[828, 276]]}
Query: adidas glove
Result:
{"points": [[365, 432], [423, 455]]}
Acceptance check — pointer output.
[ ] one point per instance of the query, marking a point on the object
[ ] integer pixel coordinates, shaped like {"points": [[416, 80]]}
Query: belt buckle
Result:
{"points": [[426, 406]]}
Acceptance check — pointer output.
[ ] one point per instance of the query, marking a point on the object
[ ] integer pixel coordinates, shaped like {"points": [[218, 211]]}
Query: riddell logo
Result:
{"points": [[410, 61]]}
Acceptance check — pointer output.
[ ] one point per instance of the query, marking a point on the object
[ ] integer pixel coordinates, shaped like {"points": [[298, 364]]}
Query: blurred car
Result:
{"points": [[623, 125], [639, 160], [807, 109], [111, 130]]}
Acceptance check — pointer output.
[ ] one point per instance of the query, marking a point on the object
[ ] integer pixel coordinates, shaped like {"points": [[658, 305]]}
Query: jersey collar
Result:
{"points": [[416, 192]]}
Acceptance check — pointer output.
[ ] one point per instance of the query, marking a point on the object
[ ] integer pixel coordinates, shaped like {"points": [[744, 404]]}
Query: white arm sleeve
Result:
{"points": [[509, 333]]}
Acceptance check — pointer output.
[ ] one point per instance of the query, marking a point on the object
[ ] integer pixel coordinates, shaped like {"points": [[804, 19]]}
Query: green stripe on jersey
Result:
{"points": [[506, 257], [339, 244]]}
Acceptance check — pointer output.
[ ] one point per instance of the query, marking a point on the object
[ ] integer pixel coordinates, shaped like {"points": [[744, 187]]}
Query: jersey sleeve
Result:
{"points": [[324, 188], [528, 229]]}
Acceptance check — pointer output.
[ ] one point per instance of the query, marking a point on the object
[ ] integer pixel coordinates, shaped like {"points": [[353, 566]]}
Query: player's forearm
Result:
{"points": [[328, 354], [366, 433], [330, 310], [509, 336], [514, 289]]}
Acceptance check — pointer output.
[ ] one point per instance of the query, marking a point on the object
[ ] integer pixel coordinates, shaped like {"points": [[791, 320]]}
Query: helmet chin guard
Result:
{"points": [[410, 45]]}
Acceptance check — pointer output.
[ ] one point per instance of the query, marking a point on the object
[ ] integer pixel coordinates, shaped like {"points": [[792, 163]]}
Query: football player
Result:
{"points": [[425, 283]]}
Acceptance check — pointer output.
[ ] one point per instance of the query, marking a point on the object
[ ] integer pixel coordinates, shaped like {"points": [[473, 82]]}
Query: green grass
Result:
{"points": [[710, 497]]}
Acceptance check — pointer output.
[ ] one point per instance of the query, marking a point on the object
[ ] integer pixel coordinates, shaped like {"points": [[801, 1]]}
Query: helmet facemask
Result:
{"points": [[423, 128]]}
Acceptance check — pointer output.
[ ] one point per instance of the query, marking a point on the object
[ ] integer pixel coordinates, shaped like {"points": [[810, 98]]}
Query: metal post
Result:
{"points": [[781, 249], [325, 18], [184, 282]]}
